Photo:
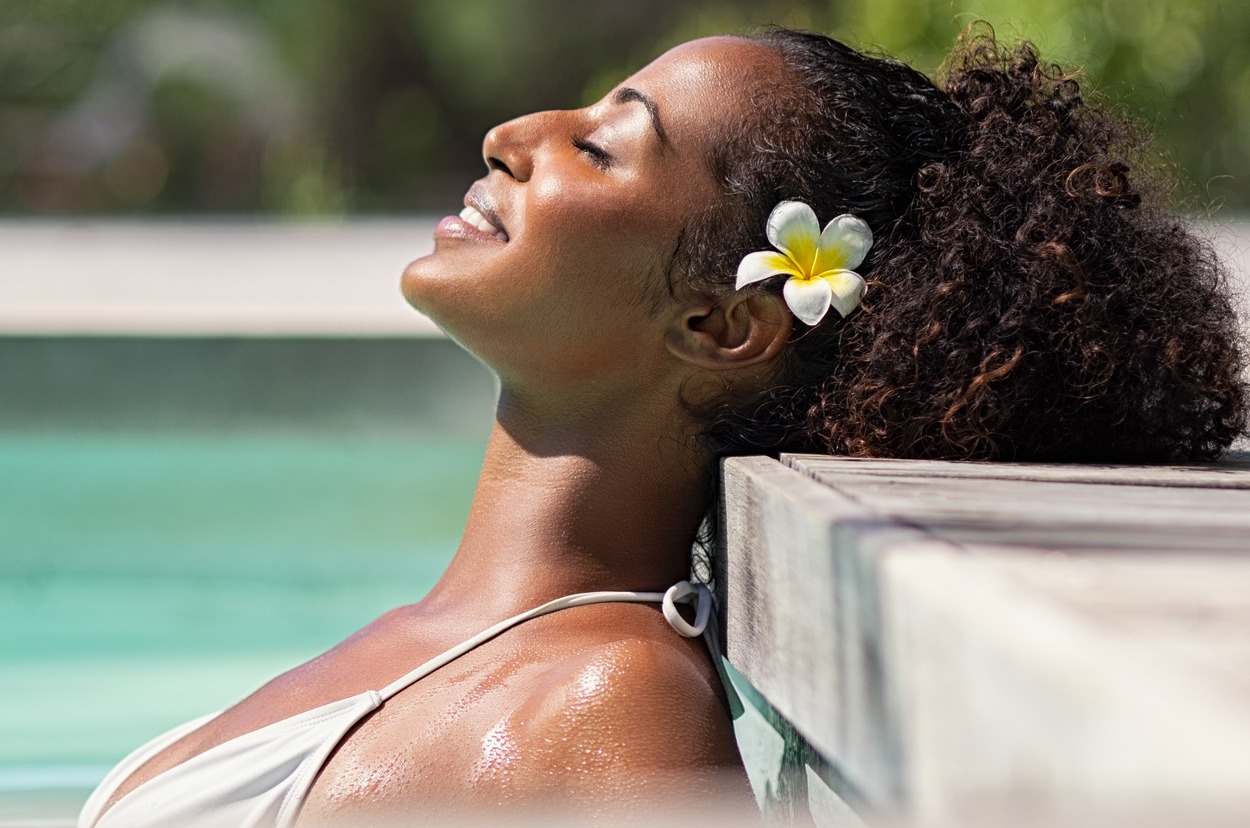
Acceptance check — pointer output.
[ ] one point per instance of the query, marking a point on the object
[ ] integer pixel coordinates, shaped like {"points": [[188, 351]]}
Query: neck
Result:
{"points": [[568, 504]]}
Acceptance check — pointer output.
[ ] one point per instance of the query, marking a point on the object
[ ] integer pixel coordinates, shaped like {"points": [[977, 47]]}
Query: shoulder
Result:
{"points": [[627, 715], [605, 717], [629, 675], [629, 663]]}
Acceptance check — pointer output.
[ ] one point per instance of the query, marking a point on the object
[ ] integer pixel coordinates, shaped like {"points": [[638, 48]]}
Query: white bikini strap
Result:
{"points": [[683, 592]]}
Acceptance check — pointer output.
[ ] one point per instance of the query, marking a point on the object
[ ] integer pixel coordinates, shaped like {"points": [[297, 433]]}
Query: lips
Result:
{"points": [[477, 222], [477, 218]]}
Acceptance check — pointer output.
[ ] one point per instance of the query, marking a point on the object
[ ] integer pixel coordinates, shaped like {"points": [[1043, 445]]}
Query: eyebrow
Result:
{"points": [[627, 94]]}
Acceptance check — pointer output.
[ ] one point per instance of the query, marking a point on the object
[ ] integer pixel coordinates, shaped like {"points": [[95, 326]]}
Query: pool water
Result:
{"points": [[147, 579]]}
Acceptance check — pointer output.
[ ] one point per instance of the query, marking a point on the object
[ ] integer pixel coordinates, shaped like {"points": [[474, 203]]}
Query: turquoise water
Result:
{"points": [[145, 580]]}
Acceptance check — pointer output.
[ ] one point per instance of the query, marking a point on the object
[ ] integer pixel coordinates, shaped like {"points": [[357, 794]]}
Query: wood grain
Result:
{"points": [[958, 641]]}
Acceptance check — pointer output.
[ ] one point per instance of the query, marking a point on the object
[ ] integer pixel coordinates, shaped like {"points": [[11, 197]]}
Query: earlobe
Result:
{"points": [[740, 331]]}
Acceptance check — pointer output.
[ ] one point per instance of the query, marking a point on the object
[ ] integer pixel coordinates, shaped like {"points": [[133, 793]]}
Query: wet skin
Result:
{"points": [[591, 480]]}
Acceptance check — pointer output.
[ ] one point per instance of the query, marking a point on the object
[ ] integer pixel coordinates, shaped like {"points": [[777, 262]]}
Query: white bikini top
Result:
{"points": [[262, 778]]}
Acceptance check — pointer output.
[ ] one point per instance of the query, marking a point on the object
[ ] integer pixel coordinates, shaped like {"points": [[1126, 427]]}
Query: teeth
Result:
{"points": [[469, 215]]}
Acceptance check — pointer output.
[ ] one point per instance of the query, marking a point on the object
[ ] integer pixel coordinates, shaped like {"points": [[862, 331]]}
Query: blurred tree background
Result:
{"points": [[315, 107]]}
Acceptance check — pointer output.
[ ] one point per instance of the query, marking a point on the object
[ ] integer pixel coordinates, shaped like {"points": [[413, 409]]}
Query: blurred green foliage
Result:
{"points": [[329, 106]]}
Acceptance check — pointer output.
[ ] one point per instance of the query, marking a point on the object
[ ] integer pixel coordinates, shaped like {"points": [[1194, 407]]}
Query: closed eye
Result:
{"points": [[599, 157]]}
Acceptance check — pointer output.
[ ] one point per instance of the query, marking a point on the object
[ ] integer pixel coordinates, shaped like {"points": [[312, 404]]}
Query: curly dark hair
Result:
{"points": [[1024, 301]]}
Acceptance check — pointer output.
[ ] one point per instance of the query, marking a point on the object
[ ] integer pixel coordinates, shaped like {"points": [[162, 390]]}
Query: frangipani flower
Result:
{"points": [[821, 264]]}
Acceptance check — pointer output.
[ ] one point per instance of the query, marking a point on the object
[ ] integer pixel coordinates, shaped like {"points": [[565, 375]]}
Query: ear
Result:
{"points": [[740, 331]]}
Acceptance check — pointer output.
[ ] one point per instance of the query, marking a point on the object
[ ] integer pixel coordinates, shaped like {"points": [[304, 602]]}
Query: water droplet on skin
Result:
{"points": [[498, 754]]}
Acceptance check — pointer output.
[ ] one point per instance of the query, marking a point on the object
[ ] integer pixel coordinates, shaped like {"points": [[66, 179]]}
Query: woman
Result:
{"points": [[645, 278]]}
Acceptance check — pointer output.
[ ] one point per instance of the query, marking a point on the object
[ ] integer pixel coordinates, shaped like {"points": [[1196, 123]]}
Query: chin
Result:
{"points": [[439, 281], [427, 287], [410, 284]]}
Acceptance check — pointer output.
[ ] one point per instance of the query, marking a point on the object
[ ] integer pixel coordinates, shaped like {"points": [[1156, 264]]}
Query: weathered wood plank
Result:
{"points": [[1010, 701], [1196, 607], [916, 624], [797, 588], [1051, 514], [1228, 473]]}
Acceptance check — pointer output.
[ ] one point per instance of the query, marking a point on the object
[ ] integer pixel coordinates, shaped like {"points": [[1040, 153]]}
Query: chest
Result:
{"points": [[433, 736], [368, 662]]}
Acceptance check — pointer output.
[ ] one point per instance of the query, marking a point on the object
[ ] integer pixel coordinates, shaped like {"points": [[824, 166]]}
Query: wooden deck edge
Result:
{"points": [[802, 619], [940, 688]]}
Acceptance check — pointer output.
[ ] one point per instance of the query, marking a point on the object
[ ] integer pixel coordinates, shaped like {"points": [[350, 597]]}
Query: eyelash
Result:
{"points": [[599, 157]]}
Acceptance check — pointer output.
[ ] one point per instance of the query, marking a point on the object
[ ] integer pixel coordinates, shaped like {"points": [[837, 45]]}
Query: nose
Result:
{"points": [[512, 146]]}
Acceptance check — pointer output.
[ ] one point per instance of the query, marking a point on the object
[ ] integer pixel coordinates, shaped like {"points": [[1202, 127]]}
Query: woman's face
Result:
{"points": [[555, 272]]}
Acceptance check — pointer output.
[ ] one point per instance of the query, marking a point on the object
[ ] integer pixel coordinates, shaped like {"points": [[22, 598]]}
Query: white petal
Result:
{"points": [[808, 298], [844, 243], [847, 287], [793, 229], [758, 266]]}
